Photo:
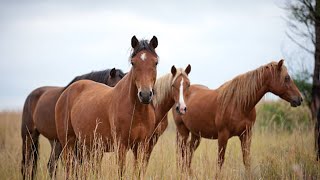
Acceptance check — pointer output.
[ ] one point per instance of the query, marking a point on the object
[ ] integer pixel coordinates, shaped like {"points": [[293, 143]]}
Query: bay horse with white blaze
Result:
{"points": [[122, 117], [38, 117], [230, 110]]}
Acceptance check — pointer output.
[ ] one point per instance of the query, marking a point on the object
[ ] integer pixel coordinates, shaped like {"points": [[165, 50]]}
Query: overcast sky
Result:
{"points": [[51, 42]]}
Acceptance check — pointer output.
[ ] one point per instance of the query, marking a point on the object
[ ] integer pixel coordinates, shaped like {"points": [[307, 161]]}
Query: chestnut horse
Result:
{"points": [[170, 89], [230, 110], [122, 117], [38, 117]]}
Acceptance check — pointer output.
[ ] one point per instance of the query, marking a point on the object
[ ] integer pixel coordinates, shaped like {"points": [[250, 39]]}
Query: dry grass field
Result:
{"points": [[277, 152]]}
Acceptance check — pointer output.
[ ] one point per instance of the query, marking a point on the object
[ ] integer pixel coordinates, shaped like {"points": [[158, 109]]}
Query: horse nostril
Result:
{"points": [[150, 93], [301, 99], [177, 108], [140, 94], [185, 109]]}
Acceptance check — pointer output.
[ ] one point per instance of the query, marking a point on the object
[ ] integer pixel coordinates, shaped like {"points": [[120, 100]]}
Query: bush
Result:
{"points": [[279, 115]]}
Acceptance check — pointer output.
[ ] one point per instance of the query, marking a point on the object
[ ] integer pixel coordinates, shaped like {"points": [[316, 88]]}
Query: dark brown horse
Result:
{"points": [[38, 117], [230, 110], [122, 117]]}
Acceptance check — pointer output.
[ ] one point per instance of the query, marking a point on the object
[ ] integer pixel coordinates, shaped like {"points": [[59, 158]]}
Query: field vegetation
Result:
{"points": [[282, 148]]}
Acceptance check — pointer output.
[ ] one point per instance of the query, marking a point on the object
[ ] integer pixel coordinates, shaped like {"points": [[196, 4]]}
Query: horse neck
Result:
{"points": [[164, 106], [126, 87], [127, 90], [260, 92], [163, 100]]}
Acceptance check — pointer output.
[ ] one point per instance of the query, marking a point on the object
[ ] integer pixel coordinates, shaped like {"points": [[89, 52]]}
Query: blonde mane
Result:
{"points": [[241, 91], [163, 85]]}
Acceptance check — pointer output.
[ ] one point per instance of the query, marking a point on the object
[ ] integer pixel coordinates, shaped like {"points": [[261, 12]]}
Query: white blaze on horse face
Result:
{"points": [[181, 99], [143, 56]]}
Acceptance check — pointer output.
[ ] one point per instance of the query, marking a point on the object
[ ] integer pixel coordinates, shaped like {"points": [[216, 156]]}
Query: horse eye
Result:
{"points": [[287, 78], [132, 63], [156, 63]]}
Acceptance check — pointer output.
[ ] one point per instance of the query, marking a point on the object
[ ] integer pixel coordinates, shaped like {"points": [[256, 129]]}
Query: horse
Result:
{"points": [[38, 117], [122, 117], [230, 110], [170, 90]]}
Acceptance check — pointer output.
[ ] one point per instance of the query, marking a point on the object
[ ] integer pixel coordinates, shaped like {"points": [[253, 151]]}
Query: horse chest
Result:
{"points": [[140, 132]]}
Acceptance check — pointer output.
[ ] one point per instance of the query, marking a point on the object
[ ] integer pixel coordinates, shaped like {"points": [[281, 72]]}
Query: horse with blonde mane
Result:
{"points": [[230, 110], [122, 117], [171, 89]]}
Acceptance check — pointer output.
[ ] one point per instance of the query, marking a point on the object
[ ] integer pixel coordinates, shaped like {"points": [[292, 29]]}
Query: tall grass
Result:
{"points": [[277, 152]]}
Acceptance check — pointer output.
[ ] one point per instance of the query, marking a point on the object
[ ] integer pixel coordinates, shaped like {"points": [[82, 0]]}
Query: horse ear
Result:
{"points": [[188, 69], [134, 42], [280, 63], [173, 71], [113, 72], [154, 42]]}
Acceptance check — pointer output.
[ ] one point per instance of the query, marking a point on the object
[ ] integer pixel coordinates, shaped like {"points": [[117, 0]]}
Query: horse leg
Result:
{"points": [[94, 155], [182, 138], [193, 145], [69, 156], [30, 145], [158, 132], [121, 159], [54, 156], [142, 153], [136, 159], [245, 139], [98, 161], [223, 136]]}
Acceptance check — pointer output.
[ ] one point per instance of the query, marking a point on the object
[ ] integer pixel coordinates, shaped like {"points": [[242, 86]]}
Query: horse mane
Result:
{"points": [[143, 45], [163, 85], [242, 89], [97, 76]]}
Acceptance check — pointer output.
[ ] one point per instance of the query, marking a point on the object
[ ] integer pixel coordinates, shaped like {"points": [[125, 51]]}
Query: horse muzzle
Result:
{"points": [[145, 97], [295, 102], [181, 109]]}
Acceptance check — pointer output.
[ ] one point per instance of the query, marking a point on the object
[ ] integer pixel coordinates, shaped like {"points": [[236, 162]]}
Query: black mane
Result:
{"points": [[97, 76], [143, 45]]}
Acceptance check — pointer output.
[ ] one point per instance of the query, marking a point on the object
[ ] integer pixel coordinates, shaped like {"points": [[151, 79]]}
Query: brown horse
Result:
{"points": [[38, 117], [122, 117], [170, 89], [230, 110]]}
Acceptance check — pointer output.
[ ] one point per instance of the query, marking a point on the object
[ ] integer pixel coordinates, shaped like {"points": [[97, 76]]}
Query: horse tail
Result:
{"points": [[30, 137]]}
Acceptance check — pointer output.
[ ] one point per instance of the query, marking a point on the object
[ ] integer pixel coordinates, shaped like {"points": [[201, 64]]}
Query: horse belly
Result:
{"points": [[92, 132], [208, 133]]}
